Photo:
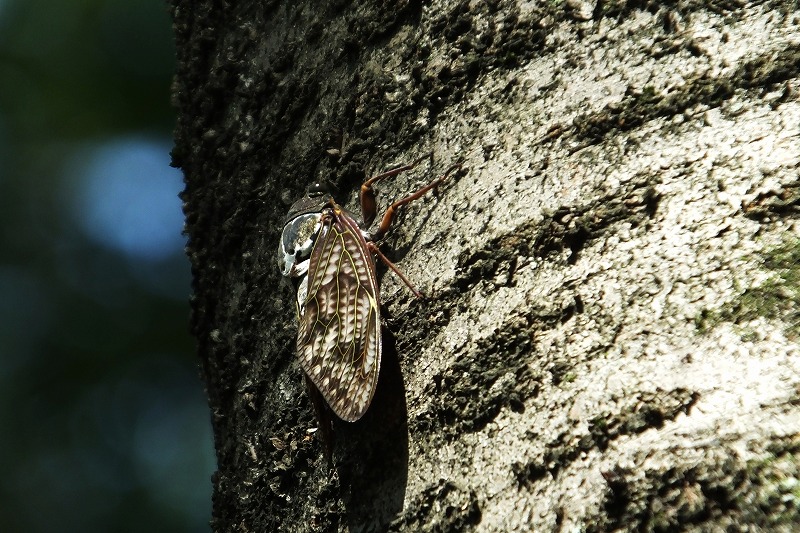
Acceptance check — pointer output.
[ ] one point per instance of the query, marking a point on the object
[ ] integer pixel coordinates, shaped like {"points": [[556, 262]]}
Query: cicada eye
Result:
{"points": [[317, 189], [297, 241]]}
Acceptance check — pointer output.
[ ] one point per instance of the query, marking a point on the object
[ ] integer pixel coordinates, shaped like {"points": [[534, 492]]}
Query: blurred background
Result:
{"points": [[103, 420]]}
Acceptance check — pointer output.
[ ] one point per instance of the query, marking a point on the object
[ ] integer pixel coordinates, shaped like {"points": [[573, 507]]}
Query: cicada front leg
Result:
{"points": [[388, 216], [366, 196]]}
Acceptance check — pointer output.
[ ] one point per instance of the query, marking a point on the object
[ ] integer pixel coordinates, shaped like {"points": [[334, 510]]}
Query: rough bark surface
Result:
{"points": [[609, 338]]}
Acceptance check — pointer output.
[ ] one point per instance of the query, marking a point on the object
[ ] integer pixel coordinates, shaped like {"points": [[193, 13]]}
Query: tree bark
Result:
{"points": [[608, 340]]}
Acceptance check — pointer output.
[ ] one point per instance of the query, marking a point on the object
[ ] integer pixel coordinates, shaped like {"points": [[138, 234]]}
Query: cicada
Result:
{"points": [[330, 257]]}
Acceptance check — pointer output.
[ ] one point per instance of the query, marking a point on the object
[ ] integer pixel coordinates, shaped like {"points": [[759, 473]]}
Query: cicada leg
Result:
{"points": [[374, 249], [366, 196], [388, 217]]}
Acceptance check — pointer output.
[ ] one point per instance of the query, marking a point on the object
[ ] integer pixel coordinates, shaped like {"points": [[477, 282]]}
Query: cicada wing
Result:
{"points": [[339, 335]]}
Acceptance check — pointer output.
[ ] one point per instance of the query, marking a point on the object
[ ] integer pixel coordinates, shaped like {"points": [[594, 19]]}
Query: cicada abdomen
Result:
{"points": [[330, 258]]}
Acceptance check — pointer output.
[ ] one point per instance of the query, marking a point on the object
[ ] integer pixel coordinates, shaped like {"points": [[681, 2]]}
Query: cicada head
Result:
{"points": [[300, 230]]}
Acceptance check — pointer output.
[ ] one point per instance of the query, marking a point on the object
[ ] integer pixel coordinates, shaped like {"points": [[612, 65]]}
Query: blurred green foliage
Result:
{"points": [[103, 422]]}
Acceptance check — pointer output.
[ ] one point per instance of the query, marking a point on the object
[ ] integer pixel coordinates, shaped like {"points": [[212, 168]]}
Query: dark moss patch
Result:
{"points": [[442, 507], [434, 76], [723, 493], [471, 393], [777, 297], [642, 105], [773, 204], [621, 9], [650, 410], [644, 411], [568, 228]]}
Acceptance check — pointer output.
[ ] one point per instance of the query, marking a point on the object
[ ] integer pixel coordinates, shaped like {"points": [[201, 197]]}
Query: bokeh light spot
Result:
{"points": [[128, 198]]}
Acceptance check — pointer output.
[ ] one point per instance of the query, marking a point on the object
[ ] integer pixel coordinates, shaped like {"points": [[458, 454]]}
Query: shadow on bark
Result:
{"points": [[371, 455]]}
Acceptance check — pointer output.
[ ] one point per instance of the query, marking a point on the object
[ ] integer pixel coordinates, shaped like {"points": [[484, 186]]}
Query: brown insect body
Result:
{"points": [[330, 257], [339, 334]]}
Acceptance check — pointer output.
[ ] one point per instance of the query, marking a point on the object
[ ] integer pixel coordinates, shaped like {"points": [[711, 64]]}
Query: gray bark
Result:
{"points": [[609, 336]]}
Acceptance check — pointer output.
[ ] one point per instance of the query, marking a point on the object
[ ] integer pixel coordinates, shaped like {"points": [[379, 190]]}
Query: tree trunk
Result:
{"points": [[608, 337]]}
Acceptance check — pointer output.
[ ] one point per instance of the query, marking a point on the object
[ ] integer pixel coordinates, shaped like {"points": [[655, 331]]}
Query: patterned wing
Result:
{"points": [[339, 336]]}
